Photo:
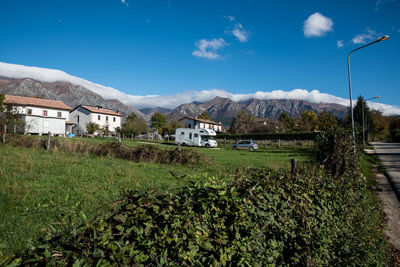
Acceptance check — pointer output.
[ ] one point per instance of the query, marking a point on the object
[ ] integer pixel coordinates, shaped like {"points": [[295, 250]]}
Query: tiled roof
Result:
{"points": [[201, 120], [262, 119], [101, 110], [37, 102]]}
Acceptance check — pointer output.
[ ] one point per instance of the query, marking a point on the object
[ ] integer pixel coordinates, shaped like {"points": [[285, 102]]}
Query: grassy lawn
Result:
{"points": [[36, 186]]}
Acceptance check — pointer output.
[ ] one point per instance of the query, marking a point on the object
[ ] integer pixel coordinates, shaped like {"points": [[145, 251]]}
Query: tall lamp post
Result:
{"points": [[363, 120], [382, 38]]}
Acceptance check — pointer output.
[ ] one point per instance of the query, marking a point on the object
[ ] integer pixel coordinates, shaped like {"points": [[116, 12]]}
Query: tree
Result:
{"points": [[9, 117], [327, 121], [308, 121], [92, 127], [357, 113], [394, 130], [381, 131], [204, 116], [134, 125], [158, 120], [171, 126], [287, 123], [105, 130], [243, 123]]}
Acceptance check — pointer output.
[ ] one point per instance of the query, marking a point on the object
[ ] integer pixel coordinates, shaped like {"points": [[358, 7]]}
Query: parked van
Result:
{"points": [[195, 137]]}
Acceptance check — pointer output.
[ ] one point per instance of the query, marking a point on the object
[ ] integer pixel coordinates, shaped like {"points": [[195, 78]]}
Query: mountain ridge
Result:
{"points": [[70, 94]]}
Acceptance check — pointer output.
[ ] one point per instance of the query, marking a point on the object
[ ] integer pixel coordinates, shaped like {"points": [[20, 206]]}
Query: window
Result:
{"points": [[106, 118], [78, 118], [113, 119], [182, 133], [98, 117], [189, 125], [196, 135], [59, 114], [190, 136], [29, 111], [44, 112]]}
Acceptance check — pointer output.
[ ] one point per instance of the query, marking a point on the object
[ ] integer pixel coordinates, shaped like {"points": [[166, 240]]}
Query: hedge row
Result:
{"points": [[271, 136], [265, 218]]}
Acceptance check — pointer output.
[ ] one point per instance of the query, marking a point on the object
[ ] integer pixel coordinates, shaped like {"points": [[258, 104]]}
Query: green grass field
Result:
{"points": [[37, 187]]}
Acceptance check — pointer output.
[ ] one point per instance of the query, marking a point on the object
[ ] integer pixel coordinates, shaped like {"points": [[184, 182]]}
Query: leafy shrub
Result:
{"points": [[337, 152], [264, 218], [143, 153]]}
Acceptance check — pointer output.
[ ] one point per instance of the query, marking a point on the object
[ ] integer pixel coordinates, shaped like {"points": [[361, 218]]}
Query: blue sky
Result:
{"points": [[168, 47]]}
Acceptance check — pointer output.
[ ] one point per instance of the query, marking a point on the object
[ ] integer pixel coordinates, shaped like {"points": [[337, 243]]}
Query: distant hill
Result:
{"points": [[70, 94]]}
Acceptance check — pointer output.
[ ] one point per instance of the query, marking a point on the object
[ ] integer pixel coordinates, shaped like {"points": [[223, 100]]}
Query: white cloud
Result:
{"points": [[172, 101], [125, 2], [365, 37], [208, 48], [317, 25], [240, 33], [339, 43]]}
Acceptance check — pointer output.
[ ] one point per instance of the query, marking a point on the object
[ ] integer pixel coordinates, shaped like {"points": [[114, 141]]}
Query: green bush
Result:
{"points": [[264, 218]]}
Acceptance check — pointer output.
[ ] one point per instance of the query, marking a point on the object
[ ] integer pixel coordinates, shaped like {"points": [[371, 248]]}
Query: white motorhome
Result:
{"points": [[195, 137]]}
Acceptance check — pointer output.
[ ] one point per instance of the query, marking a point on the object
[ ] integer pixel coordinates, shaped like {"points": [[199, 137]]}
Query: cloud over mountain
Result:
{"points": [[172, 101]]}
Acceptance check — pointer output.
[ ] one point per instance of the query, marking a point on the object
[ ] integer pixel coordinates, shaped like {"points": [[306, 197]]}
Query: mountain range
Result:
{"points": [[71, 94], [223, 109], [220, 109]]}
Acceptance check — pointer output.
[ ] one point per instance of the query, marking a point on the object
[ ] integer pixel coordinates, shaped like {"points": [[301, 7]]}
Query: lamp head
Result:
{"points": [[383, 38]]}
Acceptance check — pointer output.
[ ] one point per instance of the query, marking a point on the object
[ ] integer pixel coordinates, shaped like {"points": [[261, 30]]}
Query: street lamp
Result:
{"points": [[363, 120], [382, 38]]}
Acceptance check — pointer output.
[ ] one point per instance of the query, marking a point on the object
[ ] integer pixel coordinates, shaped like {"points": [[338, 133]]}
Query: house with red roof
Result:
{"points": [[197, 123], [40, 116], [83, 114]]}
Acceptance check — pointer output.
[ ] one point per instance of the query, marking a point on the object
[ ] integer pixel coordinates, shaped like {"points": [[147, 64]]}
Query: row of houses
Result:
{"points": [[41, 116]]}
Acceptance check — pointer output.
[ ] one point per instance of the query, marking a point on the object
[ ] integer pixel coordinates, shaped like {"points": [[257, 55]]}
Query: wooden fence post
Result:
{"points": [[224, 141], [48, 141], [119, 139], [279, 143], [4, 133], [179, 147], [293, 163]]}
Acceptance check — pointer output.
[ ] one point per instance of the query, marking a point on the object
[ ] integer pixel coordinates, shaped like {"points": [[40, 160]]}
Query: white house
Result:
{"points": [[40, 116], [196, 123], [83, 114], [262, 121]]}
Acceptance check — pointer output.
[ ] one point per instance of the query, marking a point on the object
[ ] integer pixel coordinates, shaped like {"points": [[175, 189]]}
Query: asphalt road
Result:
{"points": [[388, 188], [389, 155]]}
